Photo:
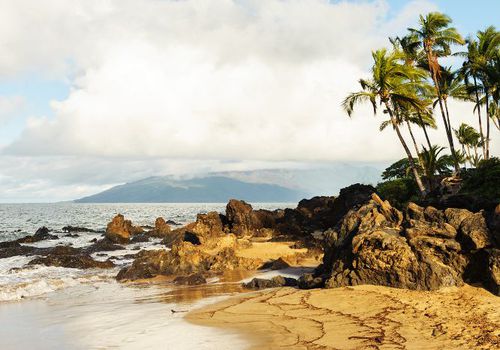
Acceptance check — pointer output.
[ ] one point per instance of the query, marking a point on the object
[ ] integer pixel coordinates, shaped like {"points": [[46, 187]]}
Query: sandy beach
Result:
{"points": [[360, 317]]}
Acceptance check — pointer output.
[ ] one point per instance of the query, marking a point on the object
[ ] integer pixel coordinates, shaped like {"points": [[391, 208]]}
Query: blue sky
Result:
{"points": [[150, 87]]}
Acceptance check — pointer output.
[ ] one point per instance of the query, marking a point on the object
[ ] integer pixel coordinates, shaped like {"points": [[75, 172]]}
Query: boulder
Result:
{"points": [[190, 280], [375, 244], [161, 228], [241, 219], [275, 282], [309, 281], [120, 230], [40, 235], [185, 258], [278, 264], [103, 245], [70, 229], [474, 233]]}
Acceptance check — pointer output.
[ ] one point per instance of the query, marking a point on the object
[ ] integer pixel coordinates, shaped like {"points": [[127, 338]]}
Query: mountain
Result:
{"points": [[210, 189]]}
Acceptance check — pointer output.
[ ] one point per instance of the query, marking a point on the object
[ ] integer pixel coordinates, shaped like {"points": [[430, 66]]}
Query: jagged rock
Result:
{"points": [[139, 238], [103, 245], [278, 264], [9, 244], [64, 256], [161, 229], [191, 280], [72, 235], [70, 228], [40, 235], [492, 280], [120, 230], [309, 281], [275, 282], [455, 216], [376, 245], [185, 258], [474, 232], [242, 222]]}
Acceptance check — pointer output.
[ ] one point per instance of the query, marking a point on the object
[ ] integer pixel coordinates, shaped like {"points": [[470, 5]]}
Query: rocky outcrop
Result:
{"points": [[275, 282], [190, 280], [70, 229], [120, 230], [63, 256], [424, 249], [161, 229], [186, 258], [40, 235]]}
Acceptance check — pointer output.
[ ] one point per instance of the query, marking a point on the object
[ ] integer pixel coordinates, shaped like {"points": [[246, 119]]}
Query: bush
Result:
{"points": [[483, 181], [399, 192]]}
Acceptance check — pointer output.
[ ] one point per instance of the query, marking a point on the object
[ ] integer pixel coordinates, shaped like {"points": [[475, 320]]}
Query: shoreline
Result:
{"points": [[359, 317]]}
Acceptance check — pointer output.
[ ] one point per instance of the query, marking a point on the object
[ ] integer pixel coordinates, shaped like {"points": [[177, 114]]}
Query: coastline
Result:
{"points": [[359, 317]]}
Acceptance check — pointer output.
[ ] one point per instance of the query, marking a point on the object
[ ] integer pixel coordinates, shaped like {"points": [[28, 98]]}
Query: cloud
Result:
{"points": [[190, 86], [212, 80], [9, 106]]}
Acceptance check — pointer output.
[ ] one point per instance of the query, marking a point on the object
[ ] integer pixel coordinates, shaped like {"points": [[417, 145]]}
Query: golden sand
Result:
{"points": [[361, 317]]}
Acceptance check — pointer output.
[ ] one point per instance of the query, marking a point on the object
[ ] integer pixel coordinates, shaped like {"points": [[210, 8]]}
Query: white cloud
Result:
{"points": [[217, 80], [248, 80], [9, 106]]}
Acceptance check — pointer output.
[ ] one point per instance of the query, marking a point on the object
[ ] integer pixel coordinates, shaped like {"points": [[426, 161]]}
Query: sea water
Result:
{"points": [[46, 307]]}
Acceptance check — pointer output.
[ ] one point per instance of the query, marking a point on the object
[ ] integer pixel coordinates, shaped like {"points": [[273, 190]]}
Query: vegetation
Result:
{"points": [[483, 181], [410, 85]]}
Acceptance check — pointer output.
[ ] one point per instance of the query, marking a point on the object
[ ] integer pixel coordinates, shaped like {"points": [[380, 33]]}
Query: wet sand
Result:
{"points": [[361, 317]]}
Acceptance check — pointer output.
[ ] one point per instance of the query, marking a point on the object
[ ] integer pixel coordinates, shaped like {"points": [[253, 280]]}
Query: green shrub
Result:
{"points": [[399, 191], [483, 181]]}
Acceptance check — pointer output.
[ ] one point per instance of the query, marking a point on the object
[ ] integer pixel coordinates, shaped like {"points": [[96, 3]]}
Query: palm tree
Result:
{"points": [[470, 69], [409, 47], [436, 37], [433, 163], [488, 49], [469, 138], [391, 85]]}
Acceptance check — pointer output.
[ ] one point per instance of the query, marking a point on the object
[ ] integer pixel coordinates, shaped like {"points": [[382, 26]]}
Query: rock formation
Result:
{"points": [[120, 230], [161, 229], [423, 249]]}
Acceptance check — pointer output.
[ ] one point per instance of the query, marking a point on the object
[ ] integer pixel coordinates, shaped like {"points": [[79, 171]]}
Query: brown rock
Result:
{"points": [[474, 232], [120, 230], [161, 229]]}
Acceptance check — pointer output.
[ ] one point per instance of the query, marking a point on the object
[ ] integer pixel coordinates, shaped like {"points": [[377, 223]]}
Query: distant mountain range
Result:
{"points": [[211, 189], [274, 185]]}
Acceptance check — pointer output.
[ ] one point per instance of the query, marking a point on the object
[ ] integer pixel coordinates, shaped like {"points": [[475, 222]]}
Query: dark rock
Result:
{"points": [[275, 282], [9, 244], [191, 280], [171, 222], [40, 235], [309, 281], [70, 228], [278, 264], [65, 256], [191, 238], [102, 245], [141, 237]]}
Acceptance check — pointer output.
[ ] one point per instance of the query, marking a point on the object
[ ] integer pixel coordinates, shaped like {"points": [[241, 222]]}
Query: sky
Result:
{"points": [[95, 93]]}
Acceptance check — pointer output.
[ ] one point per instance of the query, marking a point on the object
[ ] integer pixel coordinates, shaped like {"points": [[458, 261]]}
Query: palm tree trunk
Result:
{"points": [[447, 126], [412, 137], [430, 59], [413, 167], [487, 144], [479, 113], [425, 130]]}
